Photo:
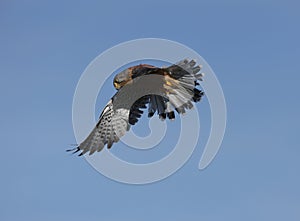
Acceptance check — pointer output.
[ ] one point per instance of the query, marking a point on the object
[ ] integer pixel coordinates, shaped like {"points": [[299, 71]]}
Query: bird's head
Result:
{"points": [[122, 78]]}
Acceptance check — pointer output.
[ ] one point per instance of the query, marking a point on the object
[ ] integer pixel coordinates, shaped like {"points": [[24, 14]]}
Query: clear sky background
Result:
{"points": [[253, 47]]}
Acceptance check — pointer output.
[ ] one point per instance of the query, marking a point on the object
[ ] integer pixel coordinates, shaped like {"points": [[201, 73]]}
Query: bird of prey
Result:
{"points": [[164, 91]]}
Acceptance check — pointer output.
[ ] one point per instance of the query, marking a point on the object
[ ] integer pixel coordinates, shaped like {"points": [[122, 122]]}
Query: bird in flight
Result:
{"points": [[164, 90]]}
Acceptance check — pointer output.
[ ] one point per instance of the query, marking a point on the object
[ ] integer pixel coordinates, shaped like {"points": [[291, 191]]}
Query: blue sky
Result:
{"points": [[253, 48]]}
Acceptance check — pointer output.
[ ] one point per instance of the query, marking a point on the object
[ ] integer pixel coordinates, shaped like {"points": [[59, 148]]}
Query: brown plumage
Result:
{"points": [[178, 90]]}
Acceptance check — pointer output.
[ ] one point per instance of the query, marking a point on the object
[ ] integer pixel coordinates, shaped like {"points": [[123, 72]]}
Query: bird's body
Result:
{"points": [[164, 90]]}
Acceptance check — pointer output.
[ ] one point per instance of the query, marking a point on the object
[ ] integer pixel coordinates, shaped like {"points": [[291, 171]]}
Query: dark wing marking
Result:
{"points": [[135, 110], [157, 104], [144, 69]]}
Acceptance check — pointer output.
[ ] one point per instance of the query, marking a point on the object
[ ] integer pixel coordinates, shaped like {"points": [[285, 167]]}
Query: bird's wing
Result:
{"points": [[180, 90], [112, 124]]}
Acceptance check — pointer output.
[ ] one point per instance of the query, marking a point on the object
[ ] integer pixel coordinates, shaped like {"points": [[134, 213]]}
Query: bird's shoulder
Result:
{"points": [[145, 69]]}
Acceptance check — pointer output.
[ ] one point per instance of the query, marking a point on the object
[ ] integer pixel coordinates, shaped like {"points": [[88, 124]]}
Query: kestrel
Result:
{"points": [[163, 89]]}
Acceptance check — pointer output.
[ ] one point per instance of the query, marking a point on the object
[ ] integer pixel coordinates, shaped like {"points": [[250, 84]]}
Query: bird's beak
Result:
{"points": [[116, 85]]}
